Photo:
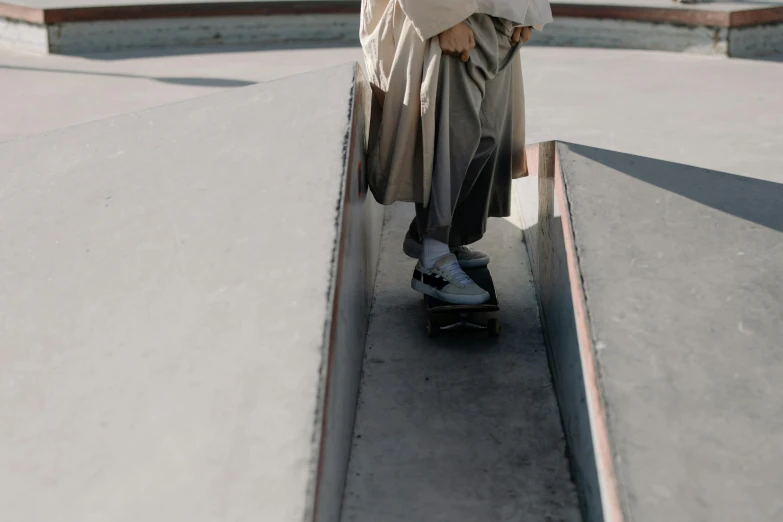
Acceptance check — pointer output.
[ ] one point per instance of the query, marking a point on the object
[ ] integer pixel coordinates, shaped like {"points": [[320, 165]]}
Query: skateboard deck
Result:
{"points": [[446, 316]]}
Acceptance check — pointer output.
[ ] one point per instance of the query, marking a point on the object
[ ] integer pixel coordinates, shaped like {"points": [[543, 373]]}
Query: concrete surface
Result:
{"points": [[739, 29], [626, 34], [705, 111], [360, 222], [114, 35], [726, 6], [463, 427], [762, 40], [167, 317], [23, 36], [554, 265], [41, 93], [711, 5], [712, 112], [681, 274], [59, 4], [71, 27]]}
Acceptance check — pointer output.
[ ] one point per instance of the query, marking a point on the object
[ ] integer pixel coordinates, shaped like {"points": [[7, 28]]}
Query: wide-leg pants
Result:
{"points": [[473, 136]]}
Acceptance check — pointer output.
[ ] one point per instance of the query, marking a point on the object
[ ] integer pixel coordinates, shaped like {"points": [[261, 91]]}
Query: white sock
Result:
{"points": [[432, 251]]}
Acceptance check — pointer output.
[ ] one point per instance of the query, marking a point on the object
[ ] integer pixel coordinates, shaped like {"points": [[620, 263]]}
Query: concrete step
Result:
{"points": [[660, 287], [462, 427], [185, 301]]}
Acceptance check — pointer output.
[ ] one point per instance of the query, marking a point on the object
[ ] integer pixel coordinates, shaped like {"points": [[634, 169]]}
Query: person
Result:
{"points": [[447, 124]]}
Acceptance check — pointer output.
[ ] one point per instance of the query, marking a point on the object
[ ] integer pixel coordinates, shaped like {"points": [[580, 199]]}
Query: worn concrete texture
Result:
{"points": [[631, 34], [355, 268], [166, 277], [682, 275], [63, 4], [761, 40], [712, 5], [41, 93], [462, 427], [23, 36], [114, 35], [706, 111], [542, 215]]}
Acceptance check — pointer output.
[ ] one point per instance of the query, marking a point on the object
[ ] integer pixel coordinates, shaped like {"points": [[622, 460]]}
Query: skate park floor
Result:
{"points": [[446, 397], [707, 111], [462, 427]]}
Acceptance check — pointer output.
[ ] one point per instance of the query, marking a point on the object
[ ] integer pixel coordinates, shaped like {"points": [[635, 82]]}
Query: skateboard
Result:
{"points": [[445, 316]]}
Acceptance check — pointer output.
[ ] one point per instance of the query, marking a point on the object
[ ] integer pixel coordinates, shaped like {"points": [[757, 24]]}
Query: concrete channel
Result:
{"points": [[462, 427]]}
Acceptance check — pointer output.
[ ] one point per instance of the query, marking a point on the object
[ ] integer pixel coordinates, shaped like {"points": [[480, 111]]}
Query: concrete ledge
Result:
{"points": [[629, 34], [92, 13], [548, 236], [659, 286], [739, 16], [741, 30], [102, 36], [186, 297], [88, 29]]}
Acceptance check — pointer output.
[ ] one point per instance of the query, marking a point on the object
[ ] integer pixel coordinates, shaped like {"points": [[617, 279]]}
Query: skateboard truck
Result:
{"points": [[442, 316], [492, 327]]}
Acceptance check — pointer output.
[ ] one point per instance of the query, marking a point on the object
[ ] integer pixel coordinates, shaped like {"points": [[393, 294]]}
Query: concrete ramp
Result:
{"points": [[660, 286], [185, 294]]}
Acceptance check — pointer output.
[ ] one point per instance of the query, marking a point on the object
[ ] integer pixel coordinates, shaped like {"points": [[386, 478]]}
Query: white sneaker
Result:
{"points": [[466, 257], [448, 282]]}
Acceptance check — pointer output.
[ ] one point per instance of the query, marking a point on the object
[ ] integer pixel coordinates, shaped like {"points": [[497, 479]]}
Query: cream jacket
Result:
{"points": [[402, 56]]}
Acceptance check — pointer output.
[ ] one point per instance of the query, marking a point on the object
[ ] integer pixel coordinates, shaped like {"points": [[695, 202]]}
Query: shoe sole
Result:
{"points": [[412, 249], [449, 298]]}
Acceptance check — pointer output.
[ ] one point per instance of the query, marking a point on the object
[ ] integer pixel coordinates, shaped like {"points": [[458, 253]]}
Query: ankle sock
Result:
{"points": [[432, 251]]}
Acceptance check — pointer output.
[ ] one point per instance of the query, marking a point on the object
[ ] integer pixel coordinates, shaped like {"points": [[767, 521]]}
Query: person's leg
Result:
{"points": [[465, 143], [473, 115], [489, 177]]}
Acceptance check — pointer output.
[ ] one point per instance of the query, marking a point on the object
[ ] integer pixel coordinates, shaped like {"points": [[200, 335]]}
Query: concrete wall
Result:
{"points": [[760, 40], [659, 285], [83, 37], [553, 260], [680, 267], [112, 35], [95, 30], [361, 223], [185, 295], [23, 36], [627, 34]]}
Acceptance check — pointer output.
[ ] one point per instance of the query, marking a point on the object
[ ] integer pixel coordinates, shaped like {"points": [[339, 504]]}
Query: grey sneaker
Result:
{"points": [[448, 282], [466, 257]]}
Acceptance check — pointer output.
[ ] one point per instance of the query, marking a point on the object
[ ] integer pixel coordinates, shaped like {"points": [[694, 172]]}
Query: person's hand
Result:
{"points": [[458, 41], [521, 33]]}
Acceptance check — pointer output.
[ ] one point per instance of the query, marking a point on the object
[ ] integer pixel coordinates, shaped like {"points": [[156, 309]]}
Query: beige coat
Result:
{"points": [[402, 55]]}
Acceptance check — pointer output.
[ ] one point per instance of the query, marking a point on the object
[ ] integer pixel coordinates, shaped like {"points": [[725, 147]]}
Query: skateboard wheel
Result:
{"points": [[493, 327], [433, 330]]}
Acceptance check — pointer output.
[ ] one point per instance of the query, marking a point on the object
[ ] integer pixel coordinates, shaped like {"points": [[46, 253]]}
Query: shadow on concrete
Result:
{"points": [[754, 200], [192, 81], [463, 427], [131, 54]]}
